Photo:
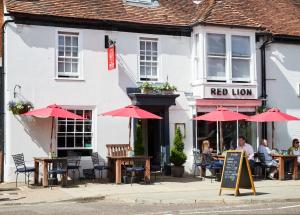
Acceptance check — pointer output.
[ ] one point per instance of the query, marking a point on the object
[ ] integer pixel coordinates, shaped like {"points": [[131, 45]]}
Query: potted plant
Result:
{"points": [[19, 107], [138, 143], [178, 157], [147, 87], [167, 88]]}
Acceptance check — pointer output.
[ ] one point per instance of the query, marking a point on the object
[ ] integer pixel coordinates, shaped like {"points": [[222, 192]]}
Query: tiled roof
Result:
{"points": [[277, 16]]}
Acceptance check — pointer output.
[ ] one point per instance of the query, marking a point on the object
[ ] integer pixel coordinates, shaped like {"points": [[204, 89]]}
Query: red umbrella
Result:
{"points": [[132, 111], [272, 115], [222, 114], [53, 111]]}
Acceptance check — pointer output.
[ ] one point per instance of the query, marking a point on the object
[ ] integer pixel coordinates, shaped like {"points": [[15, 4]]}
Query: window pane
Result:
{"points": [[216, 44], [68, 41], [154, 46], [68, 51], [68, 65], [74, 41], [241, 69], [61, 141], [79, 128], [61, 40], [74, 52], [142, 45], [88, 128], [70, 128], [240, 46], [61, 67], [148, 45], [61, 51], [61, 128], [79, 141], [142, 70], [70, 141], [216, 67]]}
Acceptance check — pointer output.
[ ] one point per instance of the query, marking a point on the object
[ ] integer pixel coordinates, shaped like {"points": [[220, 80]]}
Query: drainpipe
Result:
{"points": [[264, 95], [2, 102]]}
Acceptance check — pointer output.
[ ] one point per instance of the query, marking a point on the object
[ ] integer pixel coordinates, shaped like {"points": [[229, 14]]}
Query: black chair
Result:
{"points": [[215, 167], [265, 168], [197, 162], [74, 165], [56, 168], [137, 168], [99, 165], [156, 169], [21, 168]]}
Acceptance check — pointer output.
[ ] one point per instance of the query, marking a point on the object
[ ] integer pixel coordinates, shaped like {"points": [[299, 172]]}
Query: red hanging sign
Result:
{"points": [[111, 54]]}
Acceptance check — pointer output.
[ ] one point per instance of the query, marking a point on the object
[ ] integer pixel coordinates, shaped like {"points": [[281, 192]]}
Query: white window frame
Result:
{"points": [[93, 131], [80, 57], [228, 65], [216, 78], [147, 38]]}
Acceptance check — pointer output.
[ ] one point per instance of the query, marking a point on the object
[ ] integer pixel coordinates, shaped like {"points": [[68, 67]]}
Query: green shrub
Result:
{"points": [[178, 157], [138, 143]]}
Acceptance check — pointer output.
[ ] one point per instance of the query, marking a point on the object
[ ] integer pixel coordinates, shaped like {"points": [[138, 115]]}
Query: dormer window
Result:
{"points": [[144, 2]]}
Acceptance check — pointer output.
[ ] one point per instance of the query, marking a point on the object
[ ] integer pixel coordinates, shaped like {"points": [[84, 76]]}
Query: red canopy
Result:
{"points": [[132, 112], [53, 111], [272, 115], [221, 115]]}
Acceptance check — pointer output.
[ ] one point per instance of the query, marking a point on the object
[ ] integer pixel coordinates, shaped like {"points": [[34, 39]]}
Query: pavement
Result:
{"points": [[169, 190]]}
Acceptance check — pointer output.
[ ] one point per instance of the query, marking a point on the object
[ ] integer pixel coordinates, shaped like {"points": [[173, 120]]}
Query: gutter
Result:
{"points": [[268, 40], [2, 102]]}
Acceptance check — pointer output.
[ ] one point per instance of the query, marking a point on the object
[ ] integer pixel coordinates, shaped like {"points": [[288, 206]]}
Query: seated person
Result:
{"points": [[295, 149], [269, 161], [248, 149], [207, 158]]}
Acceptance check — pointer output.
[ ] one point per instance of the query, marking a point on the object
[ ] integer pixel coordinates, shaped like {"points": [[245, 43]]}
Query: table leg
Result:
{"points": [[147, 170], [281, 169], [36, 172], [118, 171], [45, 173], [295, 166]]}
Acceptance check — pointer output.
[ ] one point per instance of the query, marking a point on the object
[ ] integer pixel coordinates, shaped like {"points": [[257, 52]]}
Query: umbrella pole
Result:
{"points": [[129, 130], [221, 137], [51, 135], [237, 129], [218, 143], [273, 128]]}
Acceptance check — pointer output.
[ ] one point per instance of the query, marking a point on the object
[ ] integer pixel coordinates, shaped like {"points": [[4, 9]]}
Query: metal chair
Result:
{"points": [[263, 165], [197, 162], [137, 168], [98, 165], [56, 168], [74, 165], [213, 166], [21, 167]]}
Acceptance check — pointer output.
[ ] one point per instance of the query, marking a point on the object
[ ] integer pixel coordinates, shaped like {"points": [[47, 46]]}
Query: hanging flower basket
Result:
{"points": [[19, 107]]}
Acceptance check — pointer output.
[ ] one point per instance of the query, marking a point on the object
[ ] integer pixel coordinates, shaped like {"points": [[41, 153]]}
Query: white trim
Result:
{"points": [[159, 57], [80, 54], [203, 31]]}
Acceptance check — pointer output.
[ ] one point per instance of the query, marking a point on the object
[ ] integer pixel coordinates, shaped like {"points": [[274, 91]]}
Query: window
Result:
{"points": [[241, 56], [196, 59], [68, 55], [148, 61], [75, 134], [216, 57], [228, 58]]}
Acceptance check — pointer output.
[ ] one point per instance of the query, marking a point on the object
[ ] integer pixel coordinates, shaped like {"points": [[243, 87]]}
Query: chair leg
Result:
{"points": [[195, 171], [17, 179], [79, 174], [73, 172], [25, 175], [132, 175]]}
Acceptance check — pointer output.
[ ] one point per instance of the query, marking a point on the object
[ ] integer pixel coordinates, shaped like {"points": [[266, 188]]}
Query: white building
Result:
{"points": [[56, 54]]}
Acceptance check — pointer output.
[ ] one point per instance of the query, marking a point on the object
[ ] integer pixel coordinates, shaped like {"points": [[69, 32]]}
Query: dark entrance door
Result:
{"points": [[154, 140]]}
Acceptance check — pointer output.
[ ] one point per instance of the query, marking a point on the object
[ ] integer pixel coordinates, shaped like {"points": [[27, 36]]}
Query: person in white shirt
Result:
{"points": [[248, 149]]}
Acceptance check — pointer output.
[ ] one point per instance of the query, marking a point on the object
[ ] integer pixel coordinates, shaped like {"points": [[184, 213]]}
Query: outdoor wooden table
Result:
{"points": [[115, 163], [282, 159], [45, 161], [219, 157]]}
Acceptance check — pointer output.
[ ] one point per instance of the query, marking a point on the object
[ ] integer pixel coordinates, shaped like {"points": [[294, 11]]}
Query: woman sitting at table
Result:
{"points": [[207, 159], [264, 151], [295, 150]]}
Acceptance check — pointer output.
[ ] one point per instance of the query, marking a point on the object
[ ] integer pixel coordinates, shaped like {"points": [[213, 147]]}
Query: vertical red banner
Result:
{"points": [[111, 57]]}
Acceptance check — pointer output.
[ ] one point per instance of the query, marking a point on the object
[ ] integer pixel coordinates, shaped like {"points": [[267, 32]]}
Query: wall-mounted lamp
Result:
{"points": [[17, 87], [108, 42]]}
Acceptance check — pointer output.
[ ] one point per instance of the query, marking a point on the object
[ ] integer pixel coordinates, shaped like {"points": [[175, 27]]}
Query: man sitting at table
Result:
{"points": [[269, 161], [248, 149], [295, 150]]}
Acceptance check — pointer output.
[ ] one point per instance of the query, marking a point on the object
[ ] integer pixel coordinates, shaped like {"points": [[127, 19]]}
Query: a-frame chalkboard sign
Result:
{"points": [[236, 173]]}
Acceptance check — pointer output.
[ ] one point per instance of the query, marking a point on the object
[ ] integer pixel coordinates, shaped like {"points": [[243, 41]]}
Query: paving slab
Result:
{"points": [[169, 191]]}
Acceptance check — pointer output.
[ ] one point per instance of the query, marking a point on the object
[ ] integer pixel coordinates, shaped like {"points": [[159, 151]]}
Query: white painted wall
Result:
{"points": [[283, 79], [30, 63]]}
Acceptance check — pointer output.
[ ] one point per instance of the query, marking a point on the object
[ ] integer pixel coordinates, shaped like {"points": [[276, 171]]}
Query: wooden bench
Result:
{"points": [[117, 150]]}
